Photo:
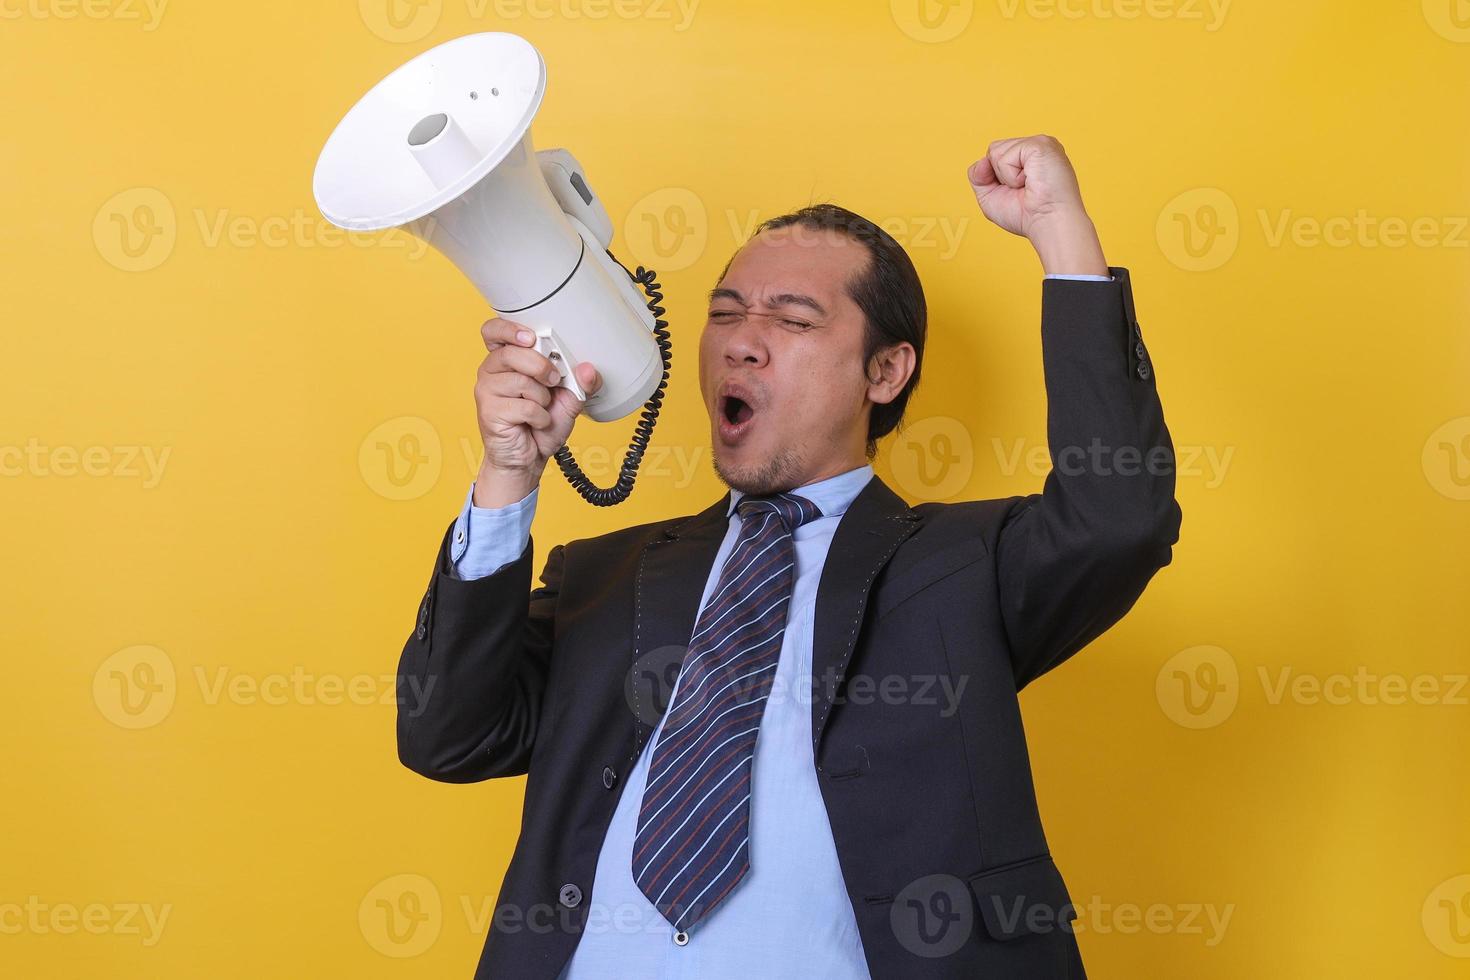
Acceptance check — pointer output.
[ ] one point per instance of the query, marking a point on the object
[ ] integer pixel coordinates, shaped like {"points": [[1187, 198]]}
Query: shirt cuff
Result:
{"points": [[1082, 278], [486, 539]]}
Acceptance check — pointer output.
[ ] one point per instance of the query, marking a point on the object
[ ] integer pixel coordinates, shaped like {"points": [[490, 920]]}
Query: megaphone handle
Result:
{"points": [[549, 345]]}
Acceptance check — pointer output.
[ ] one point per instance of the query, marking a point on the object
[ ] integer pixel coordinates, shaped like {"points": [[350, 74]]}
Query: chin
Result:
{"points": [[756, 473]]}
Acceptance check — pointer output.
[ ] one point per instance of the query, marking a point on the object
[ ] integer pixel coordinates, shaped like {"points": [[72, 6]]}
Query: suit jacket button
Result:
{"points": [[422, 631], [571, 896], [1143, 370], [608, 777], [1140, 350]]}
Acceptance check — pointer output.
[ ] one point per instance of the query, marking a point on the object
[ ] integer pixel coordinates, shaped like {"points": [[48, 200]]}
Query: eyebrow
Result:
{"points": [[780, 299]]}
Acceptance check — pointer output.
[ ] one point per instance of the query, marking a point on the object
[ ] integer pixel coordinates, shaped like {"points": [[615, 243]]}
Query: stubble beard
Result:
{"points": [[772, 475]]}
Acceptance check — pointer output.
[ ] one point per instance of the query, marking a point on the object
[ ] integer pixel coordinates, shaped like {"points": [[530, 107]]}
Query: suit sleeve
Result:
{"points": [[472, 673], [1074, 558]]}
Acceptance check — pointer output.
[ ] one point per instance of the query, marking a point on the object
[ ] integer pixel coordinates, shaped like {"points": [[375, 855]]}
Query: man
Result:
{"points": [[835, 784]]}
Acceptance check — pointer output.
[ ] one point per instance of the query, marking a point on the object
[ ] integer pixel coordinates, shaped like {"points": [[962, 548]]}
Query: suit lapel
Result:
{"points": [[869, 533], [672, 572], [675, 564]]}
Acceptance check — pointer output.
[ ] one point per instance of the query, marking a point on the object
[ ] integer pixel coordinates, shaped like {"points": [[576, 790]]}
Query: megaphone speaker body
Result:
{"points": [[442, 148]]}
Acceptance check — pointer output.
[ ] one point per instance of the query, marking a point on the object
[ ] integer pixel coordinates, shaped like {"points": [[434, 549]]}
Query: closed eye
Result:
{"points": [[728, 316]]}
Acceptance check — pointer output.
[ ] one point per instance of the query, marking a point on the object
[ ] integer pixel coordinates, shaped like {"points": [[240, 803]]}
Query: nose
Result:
{"points": [[744, 345]]}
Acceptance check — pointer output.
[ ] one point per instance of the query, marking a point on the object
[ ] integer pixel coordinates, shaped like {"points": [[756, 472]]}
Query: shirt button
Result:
{"points": [[681, 938], [571, 896], [459, 536], [608, 777]]}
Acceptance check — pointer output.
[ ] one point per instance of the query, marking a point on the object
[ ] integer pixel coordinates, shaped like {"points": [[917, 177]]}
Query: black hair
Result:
{"points": [[888, 292]]}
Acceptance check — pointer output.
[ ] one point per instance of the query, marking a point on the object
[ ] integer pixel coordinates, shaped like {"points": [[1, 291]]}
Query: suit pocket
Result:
{"points": [[1025, 898], [924, 572]]}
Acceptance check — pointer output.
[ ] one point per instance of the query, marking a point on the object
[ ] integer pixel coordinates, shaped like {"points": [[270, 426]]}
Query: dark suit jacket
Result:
{"points": [[932, 810]]}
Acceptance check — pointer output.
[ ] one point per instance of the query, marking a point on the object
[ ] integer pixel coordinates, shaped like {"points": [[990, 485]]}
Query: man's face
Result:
{"points": [[781, 362]]}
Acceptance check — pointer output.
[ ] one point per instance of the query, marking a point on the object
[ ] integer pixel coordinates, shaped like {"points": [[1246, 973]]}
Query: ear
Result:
{"points": [[889, 371]]}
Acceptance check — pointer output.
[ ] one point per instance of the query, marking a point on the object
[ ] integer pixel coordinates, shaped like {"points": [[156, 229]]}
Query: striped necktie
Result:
{"points": [[691, 849]]}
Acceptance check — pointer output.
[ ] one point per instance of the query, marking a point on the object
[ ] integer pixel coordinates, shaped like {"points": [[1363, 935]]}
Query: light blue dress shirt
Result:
{"points": [[790, 916]]}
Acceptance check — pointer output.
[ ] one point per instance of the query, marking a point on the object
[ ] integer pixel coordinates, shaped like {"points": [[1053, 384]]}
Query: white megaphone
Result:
{"points": [[442, 147]]}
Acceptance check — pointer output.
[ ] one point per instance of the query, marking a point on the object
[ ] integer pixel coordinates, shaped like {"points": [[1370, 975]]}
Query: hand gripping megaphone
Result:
{"points": [[442, 148]]}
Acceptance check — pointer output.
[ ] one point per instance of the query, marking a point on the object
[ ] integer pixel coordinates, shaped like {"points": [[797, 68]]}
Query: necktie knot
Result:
{"points": [[792, 510]]}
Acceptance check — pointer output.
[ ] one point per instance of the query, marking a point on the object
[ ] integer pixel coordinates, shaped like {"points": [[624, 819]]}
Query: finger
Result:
{"points": [[521, 360], [497, 331], [512, 384], [523, 411], [565, 405], [568, 405], [1005, 160]]}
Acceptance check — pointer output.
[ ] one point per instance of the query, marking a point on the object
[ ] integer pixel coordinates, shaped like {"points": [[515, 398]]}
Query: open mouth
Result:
{"points": [[736, 410], [736, 415]]}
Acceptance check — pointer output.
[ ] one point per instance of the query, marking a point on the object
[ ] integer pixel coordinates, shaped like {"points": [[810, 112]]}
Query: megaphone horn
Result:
{"points": [[442, 148]]}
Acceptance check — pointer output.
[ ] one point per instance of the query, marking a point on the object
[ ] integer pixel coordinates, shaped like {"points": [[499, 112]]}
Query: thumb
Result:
{"points": [[988, 191], [981, 174], [567, 406], [589, 378]]}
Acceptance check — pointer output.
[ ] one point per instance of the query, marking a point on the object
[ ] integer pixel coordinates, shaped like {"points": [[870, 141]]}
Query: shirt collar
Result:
{"points": [[832, 496]]}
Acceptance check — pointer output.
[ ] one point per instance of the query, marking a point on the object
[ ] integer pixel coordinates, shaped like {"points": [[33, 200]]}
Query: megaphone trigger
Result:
{"points": [[551, 347]]}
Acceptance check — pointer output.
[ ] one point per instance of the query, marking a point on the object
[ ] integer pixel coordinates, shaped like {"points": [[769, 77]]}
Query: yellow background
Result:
{"points": [[196, 652]]}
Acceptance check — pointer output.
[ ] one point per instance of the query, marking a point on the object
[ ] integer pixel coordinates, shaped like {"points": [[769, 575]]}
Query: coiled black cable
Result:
{"points": [[643, 430]]}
